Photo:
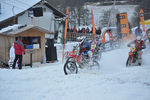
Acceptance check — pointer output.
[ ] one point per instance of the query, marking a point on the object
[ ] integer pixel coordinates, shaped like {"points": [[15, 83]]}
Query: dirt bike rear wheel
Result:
{"points": [[127, 62], [70, 67]]}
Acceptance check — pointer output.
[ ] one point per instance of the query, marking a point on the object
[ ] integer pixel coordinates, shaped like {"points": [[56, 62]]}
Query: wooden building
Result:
{"points": [[33, 38], [25, 12]]}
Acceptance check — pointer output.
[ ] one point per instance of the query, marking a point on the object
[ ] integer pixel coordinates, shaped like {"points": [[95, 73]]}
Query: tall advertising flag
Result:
{"points": [[93, 25], [65, 36], [141, 15], [124, 26]]}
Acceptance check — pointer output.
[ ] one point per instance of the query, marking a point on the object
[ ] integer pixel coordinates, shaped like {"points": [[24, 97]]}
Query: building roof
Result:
{"points": [[16, 29], [55, 11], [10, 8]]}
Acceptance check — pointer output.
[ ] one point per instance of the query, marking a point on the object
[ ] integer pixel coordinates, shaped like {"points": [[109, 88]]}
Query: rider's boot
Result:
{"points": [[139, 61]]}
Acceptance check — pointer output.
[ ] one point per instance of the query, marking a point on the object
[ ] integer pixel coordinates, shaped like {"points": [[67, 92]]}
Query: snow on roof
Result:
{"points": [[17, 28], [10, 28], [10, 8]]}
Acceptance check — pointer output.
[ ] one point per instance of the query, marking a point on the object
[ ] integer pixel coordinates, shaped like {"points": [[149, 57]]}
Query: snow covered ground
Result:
{"points": [[48, 82]]}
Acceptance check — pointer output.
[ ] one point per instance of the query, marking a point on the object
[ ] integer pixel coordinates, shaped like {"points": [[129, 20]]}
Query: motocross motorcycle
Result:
{"points": [[76, 60], [133, 58]]}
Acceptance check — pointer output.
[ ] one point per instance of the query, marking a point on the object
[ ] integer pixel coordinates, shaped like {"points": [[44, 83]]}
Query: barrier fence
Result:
{"points": [[72, 36]]}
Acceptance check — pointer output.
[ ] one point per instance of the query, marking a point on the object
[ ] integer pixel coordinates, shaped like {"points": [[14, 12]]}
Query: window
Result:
{"points": [[123, 25], [122, 17], [31, 42]]}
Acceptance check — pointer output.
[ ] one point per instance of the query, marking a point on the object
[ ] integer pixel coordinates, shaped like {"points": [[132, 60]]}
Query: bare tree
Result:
{"points": [[105, 18]]}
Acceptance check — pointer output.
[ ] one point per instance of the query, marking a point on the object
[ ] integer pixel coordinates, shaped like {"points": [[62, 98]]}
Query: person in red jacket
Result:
{"points": [[19, 50]]}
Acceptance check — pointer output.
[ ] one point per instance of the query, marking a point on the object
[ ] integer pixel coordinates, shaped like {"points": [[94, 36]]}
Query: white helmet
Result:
{"points": [[138, 38]]}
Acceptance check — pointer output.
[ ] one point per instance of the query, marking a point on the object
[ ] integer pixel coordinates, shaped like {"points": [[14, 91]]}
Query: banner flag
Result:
{"points": [[141, 15], [93, 25], [65, 36]]}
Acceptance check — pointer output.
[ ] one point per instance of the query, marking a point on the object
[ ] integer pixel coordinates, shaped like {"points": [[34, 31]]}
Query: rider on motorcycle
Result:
{"points": [[139, 45], [85, 47]]}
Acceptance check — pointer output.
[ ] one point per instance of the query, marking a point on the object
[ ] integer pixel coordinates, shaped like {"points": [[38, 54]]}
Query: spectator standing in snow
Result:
{"points": [[107, 37], [19, 50], [11, 55], [74, 29], [87, 30], [83, 30], [98, 31], [79, 30], [148, 34]]}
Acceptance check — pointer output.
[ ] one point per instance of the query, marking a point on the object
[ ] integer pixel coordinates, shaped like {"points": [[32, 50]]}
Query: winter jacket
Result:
{"points": [[110, 35], [19, 47], [139, 45], [107, 36]]}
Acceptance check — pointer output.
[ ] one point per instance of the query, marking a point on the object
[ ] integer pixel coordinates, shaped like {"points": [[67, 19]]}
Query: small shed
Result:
{"points": [[33, 38]]}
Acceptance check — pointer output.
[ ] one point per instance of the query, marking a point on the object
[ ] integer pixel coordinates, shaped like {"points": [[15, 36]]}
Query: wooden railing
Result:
{"points": [[72, 36]]}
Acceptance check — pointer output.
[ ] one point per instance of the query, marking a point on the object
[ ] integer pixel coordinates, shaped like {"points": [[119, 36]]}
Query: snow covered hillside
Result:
{"points": [[48, 82], [98, 11]]}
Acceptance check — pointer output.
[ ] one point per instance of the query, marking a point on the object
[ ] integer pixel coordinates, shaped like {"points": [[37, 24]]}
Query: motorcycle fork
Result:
{"points": [[131, 59]]}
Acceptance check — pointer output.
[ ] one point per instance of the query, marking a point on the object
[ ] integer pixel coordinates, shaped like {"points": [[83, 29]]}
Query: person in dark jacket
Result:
{"points": [[19, 50]]}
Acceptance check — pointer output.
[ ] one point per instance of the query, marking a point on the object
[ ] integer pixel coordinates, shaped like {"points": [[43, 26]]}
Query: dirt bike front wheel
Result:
{"points": [[69, 59], [128, 63], [70, 67]]}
